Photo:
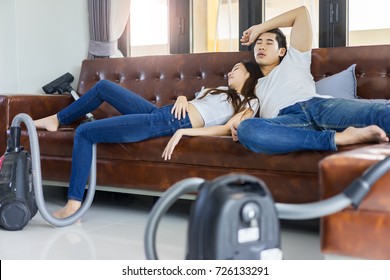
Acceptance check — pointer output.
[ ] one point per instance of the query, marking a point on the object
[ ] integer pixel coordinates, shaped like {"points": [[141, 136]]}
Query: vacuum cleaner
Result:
{"points": [[17, 199], [21, 194], [235, 217]]}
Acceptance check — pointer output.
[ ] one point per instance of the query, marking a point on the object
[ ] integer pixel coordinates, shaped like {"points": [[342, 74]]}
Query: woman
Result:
{"points": [[211, 113]]}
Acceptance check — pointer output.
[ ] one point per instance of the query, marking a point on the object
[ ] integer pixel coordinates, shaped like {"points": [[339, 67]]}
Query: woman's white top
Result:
{"points": [[216, 109]]}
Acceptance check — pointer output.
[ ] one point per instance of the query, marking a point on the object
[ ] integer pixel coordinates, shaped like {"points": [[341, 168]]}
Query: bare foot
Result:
{"points": [[69, 209], [50, 123], [368, 134]]}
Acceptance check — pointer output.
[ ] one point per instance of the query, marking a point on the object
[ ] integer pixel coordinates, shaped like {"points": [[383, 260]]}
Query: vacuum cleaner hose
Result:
{"points": [[314, 209], [163, 204], [352, 195], [37, 177]]}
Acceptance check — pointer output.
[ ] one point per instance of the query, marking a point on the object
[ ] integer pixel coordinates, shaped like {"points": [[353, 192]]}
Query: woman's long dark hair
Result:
{"points": [[247, 91]]}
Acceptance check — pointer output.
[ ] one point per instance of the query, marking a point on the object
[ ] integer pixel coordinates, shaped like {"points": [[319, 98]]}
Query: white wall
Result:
{"points": [[8, 75], [40, 41]]}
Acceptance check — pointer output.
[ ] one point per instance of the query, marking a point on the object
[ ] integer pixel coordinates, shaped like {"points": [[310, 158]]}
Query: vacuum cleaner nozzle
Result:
{"points": [[61, 84]]}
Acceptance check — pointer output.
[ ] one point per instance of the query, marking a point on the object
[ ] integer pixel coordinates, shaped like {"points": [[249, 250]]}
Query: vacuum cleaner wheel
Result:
{"points": [[14, 216]]}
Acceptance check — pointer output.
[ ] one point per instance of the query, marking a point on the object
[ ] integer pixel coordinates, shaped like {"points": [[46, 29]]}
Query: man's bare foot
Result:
{"points": [[69, 209], [368, 134], [50, 123]]}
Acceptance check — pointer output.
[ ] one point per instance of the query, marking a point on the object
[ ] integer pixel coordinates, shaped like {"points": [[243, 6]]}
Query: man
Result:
{"points": [[293, 116]]}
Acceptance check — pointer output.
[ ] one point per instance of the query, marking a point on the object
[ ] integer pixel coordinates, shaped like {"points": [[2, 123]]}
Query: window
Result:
{"points": [[215, 25], [149, 27], [276, 7], [368, 25]]}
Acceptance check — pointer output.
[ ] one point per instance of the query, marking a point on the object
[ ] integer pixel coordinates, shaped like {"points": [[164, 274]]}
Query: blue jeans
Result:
{"points": [[310, 125], [140, 120]]}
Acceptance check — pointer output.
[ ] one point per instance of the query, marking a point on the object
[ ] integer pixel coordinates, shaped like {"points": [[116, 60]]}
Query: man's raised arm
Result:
{"points": [[301, 33]]}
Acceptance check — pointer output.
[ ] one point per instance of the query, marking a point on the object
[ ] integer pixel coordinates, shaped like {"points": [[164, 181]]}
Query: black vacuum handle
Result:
{"points": [[13, 143]]}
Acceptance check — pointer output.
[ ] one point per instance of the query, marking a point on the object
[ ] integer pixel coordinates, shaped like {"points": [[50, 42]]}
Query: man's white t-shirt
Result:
{"points": [[288, 83]]}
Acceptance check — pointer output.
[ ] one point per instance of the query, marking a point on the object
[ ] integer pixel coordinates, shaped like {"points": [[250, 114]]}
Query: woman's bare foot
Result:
{"points": [[50, 123], [69, 209], [368, 134]]}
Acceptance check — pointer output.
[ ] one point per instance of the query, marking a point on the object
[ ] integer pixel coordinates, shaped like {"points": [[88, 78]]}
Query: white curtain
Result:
{"points": [[312, 6], [120, 12], [107, 20]]}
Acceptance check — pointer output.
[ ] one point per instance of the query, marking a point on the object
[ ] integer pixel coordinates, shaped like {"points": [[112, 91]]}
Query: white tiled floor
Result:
{"points": [[113, 230]]}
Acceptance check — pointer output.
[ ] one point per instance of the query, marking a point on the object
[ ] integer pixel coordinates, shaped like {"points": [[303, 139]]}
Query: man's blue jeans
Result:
{"points": [[310, 125], [140, 120]]}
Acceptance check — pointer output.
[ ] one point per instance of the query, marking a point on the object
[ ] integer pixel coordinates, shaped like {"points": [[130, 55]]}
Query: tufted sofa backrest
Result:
{"points": [[161, 79], [372, 67]]}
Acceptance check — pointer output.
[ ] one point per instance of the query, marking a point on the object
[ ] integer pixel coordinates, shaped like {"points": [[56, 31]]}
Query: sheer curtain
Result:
{"points": [[312, 6], [107, 23]]}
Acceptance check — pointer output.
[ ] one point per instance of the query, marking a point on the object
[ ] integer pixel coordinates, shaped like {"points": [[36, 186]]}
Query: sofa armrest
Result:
{"points": [[36, 106]]}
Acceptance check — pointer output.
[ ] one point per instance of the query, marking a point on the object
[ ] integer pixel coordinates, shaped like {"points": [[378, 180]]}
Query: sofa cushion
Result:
{"points": [[340, 85], [343, 85]]}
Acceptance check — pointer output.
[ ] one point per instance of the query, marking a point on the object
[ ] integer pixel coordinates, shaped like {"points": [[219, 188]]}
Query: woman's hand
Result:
{"points": [[236, 120], [180, 108], [172, 144], [233, 130]]}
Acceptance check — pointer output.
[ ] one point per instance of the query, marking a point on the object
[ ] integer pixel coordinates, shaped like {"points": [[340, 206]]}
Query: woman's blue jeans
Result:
{"points": [[310, 125], [140, 120]]}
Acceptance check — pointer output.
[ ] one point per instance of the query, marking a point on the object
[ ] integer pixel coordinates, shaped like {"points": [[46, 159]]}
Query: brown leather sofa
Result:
{"points": [[361, 233], [135, 167]]}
